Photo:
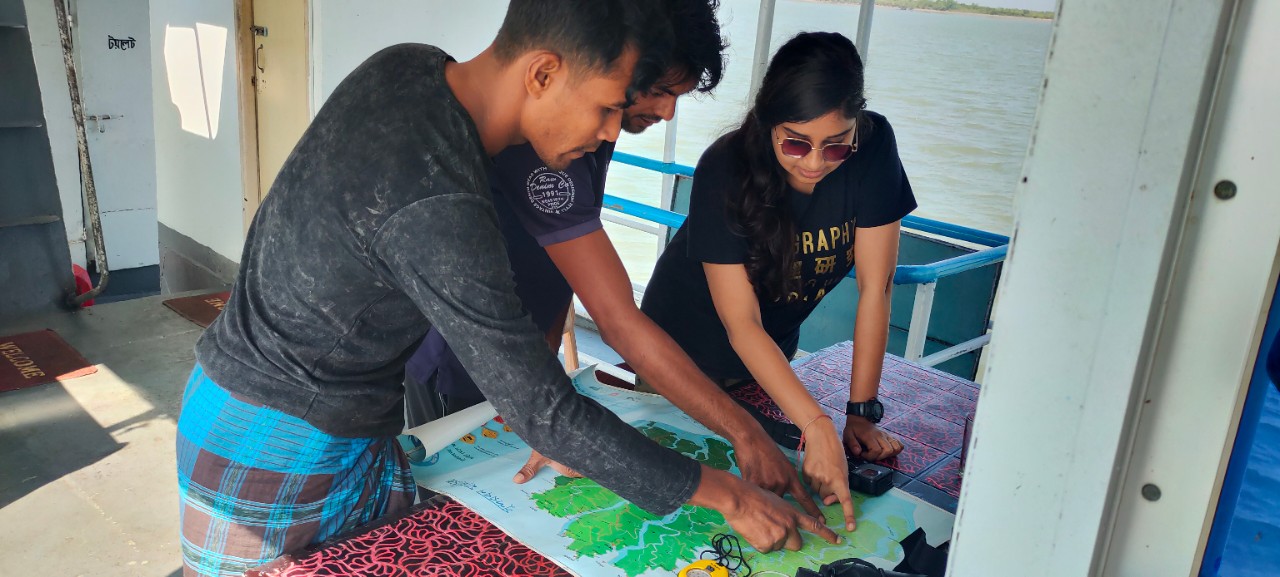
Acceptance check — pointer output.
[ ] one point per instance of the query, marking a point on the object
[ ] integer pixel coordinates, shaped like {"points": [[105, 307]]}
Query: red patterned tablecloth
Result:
{"points": [[438, 538]]}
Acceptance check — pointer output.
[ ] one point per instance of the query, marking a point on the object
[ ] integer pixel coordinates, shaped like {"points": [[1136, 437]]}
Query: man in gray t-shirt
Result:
{"points": [[379, 227], [551, 224]]}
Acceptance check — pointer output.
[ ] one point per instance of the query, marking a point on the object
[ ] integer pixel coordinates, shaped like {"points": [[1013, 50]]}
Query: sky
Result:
{"points": [[1044, 5]]}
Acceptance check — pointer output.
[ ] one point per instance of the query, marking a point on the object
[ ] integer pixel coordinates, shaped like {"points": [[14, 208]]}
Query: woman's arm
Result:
{"points": [[739, 311], [876, 254]]}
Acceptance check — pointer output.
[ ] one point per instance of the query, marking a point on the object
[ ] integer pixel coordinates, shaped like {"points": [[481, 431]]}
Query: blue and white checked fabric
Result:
{"points": [[255, 483]]}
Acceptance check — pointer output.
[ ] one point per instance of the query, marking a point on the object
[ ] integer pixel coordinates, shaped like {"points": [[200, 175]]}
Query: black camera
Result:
{"points": [[870, 478], [852, 568]]}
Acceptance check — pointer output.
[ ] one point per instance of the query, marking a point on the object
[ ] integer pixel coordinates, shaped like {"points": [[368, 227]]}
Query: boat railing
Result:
{"points": [[652, 219]]}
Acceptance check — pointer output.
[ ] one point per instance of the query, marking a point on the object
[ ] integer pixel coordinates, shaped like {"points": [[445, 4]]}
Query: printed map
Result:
{"points": [[591, 531]]}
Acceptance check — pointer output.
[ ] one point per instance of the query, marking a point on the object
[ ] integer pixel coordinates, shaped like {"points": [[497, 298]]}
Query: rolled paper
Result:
{"points": [[442, 432]]}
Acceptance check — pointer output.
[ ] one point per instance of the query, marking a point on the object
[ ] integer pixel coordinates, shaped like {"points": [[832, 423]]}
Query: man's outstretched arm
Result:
{"points": [[446, 253]]}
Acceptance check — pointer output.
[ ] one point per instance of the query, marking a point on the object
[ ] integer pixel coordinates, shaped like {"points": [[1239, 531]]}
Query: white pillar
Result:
{"points": [[1100, 221], [1222, 286], [667, 196], [864, 29], [760, 59], [918, 332]]}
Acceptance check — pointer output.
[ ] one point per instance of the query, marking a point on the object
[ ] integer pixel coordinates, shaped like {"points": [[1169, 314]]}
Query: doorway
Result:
{"points": [[274, 38]]}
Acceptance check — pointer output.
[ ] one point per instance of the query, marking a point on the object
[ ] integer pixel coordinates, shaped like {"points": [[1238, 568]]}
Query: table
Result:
{"points": [[925, 407]]}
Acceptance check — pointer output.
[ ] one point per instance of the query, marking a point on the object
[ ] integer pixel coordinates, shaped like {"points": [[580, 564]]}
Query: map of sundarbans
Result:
{"points": [[589, 530]]}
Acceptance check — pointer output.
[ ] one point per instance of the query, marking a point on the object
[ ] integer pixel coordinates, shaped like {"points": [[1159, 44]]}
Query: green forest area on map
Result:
{"points": [[604, 526]]}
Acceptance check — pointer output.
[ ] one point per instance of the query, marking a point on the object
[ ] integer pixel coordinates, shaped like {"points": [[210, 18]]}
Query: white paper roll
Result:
{"points": [[442, 432]]}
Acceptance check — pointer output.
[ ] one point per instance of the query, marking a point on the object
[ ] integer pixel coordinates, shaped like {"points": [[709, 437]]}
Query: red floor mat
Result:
{"points": [[200, 309], [37, 358]]}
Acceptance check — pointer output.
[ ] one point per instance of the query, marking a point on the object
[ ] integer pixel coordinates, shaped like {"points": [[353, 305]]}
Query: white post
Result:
{"points": [[760, 61], [1223, 282], [315, 64], [864, 29], [949, 353], [668, 180], [1082, 300], [918, 332]]}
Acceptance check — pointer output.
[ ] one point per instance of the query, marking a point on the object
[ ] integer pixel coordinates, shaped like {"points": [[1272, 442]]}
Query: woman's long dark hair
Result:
{"points": [[812, 74]]}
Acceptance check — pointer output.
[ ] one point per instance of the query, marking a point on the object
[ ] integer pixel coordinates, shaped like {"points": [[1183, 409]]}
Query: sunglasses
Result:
{"points": [[835, 152]]}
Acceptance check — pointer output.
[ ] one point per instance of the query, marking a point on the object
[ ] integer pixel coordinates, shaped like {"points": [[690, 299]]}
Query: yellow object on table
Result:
{"points": [[704, 568]]}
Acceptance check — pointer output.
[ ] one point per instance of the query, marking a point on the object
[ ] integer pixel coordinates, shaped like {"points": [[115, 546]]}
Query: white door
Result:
{"points": [[113, 45]]}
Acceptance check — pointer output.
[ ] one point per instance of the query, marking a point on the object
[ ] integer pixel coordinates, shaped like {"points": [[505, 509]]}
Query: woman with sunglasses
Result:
{"points": [[781, 209]]}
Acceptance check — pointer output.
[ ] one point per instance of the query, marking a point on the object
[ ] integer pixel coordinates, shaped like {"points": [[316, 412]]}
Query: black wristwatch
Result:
{"points": [[870, 410]]}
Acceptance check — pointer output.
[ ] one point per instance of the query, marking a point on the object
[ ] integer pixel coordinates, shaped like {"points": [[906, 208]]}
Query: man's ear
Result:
{"points": [[544, 70]]}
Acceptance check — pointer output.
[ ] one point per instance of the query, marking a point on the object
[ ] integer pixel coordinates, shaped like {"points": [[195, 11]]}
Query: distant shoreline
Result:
{"points": [[971, 9]]}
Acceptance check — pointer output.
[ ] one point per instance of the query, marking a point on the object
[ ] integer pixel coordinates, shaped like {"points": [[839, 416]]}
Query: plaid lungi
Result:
{"points": [[255, 483]]}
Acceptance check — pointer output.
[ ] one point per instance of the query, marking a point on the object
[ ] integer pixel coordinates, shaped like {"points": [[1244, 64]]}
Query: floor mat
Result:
{"points": [[37, 358], [200, 309]]}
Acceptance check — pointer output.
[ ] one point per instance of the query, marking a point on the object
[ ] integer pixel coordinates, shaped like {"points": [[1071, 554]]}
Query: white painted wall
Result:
{"points": [[193, 92], [346, 32], [195, 103], [47, 49], [1100, 218], [198, 189], [198, 186]]}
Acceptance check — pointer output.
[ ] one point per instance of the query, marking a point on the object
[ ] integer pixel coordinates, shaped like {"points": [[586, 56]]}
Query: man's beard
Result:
{"points": [[638, 124]]}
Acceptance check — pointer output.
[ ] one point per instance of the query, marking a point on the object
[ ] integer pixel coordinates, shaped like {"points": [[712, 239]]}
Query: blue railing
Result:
{"points": [[928, 273], [905, 274], [643, 211], [954, 231], [654, 165]]}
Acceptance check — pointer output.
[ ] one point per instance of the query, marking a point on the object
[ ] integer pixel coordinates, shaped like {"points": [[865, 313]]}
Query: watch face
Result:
{"points": [[877, 411]]}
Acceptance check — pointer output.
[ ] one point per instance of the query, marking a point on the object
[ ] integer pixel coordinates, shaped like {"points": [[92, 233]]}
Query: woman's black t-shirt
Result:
{"points": [[869, 189]]}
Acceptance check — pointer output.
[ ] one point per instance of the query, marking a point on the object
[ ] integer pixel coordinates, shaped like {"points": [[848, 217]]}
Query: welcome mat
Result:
{"points": [[37, 358], [200, 309]]}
